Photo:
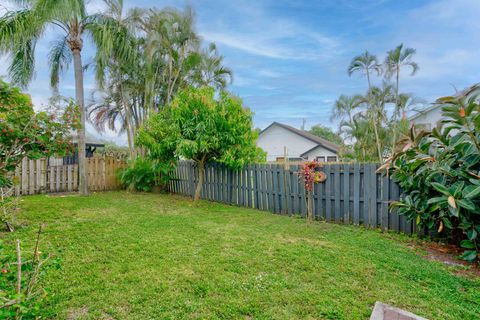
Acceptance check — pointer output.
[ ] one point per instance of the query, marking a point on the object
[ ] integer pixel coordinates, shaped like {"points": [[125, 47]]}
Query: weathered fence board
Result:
{"points": [[353, 193], [36, 176]]}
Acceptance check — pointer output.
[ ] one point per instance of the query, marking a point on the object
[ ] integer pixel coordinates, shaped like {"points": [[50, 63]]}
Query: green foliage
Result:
{"points": [[326, 133], [24, 133], [439, 172], [145, 174], [199, 127]]}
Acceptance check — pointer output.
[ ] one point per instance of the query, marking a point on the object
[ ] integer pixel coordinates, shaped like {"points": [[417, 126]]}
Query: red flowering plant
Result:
{"points": [[26, 133], [310, 174]]}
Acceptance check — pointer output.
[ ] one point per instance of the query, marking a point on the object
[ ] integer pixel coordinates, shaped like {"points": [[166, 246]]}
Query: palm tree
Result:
{"points": [[20, 30], [397, 59], [210, 71], [377, 98], [345, 107], [365, 63]]}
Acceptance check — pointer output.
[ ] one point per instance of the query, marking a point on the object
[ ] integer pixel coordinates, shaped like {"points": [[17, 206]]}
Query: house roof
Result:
{"points": [[307, 135], [424, 111]]}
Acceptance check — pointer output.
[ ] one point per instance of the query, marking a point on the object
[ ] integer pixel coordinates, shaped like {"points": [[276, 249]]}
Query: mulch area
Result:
{"points": [[447, 254]]}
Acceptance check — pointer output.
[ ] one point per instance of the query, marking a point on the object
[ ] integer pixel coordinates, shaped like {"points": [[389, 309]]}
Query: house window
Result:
{"points": [[331, 158], [321, 159]]}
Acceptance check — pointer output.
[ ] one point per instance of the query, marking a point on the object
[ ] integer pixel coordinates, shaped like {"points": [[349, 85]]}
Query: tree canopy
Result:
{"points": [[326, 133], [200, 127]]}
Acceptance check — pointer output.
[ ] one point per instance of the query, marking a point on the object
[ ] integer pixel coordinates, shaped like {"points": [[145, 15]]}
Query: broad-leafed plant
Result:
{"points": [[439, 173]]}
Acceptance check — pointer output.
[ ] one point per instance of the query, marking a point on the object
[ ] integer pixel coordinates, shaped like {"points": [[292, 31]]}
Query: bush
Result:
{"points": [[146, 174], [439, 173]]}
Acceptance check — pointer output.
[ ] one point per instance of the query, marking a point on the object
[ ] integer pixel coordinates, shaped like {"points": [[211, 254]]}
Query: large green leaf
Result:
{"points": [[441, 188], [470, 255], [474, 192]]}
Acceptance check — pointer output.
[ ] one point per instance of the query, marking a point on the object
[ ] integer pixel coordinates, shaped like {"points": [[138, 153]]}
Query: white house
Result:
{"points": [[300, 145], [427, 119]]}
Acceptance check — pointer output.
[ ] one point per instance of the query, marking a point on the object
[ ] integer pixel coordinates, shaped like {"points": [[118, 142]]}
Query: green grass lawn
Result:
{"points": [[150, 256]]}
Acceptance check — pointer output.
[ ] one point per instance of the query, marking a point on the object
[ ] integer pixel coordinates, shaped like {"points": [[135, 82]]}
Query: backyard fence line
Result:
{"points": [[37, 176], [352, 193]]}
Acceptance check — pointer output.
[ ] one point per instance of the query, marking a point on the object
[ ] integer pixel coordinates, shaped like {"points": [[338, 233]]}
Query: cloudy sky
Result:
{"points": [[290, 57]]}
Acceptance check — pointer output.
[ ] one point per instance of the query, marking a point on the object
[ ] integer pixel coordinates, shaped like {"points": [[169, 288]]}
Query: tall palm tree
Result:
{"points": [[397, 59], [377, 98], [20, 30], [367, 64]]}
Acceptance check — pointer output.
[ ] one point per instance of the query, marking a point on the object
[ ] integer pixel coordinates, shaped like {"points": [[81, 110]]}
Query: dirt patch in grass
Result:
{"points": [[447, 254], [77, 313]]}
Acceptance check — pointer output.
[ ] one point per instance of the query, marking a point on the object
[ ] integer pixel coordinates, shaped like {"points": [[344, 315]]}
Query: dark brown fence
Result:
{"points": [[352, 193]]}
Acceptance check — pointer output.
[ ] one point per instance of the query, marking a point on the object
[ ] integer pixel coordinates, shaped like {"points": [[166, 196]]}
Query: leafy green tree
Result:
{"points": [[20, 31], [439, 173], [366, 64], [200, 127], [326, 133], [24, 133]]}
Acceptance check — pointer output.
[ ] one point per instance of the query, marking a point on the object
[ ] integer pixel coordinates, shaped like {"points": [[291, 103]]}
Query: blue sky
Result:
{"points": [[290, 57]]}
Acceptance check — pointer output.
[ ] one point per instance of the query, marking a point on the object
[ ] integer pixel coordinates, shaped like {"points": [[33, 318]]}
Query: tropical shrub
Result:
{"points": [[203, 128], [144, 174], [439, 173]]}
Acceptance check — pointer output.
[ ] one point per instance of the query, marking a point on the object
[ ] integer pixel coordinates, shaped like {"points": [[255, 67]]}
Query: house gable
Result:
{"points": [[277, 136]]}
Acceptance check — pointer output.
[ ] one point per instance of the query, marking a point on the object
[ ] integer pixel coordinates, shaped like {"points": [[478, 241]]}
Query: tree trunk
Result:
{"points": [[82, 161], [377, 138], [201, 176], [309, 206], [128, 124]]}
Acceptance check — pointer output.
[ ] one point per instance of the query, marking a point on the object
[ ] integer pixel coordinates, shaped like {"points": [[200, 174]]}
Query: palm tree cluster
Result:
{"points": [[143, 57], [373, 122]]}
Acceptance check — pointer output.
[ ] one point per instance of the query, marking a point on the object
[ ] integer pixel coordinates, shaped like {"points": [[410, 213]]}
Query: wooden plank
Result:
{"points": [[69, 178], [373, 196], [328, 193], [38, 175], [31, 177], [57, 179], [275, 189], [384, 214], [75, 177], [320, 193], [356, 194], [51, 179], [24, 177], [366, 195], [346, 194], [337, 192]]}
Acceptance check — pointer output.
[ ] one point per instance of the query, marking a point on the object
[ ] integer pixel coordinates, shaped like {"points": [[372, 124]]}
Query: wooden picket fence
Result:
{"points": [[37, 176], [352, 193]]}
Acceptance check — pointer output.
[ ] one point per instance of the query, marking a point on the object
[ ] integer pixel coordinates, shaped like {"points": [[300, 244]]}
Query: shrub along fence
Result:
{"points": [[39, 176], [352, 193]]}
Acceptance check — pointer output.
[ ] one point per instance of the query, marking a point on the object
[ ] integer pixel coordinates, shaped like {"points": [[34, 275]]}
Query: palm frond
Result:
{"points": [[59, 58]]}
